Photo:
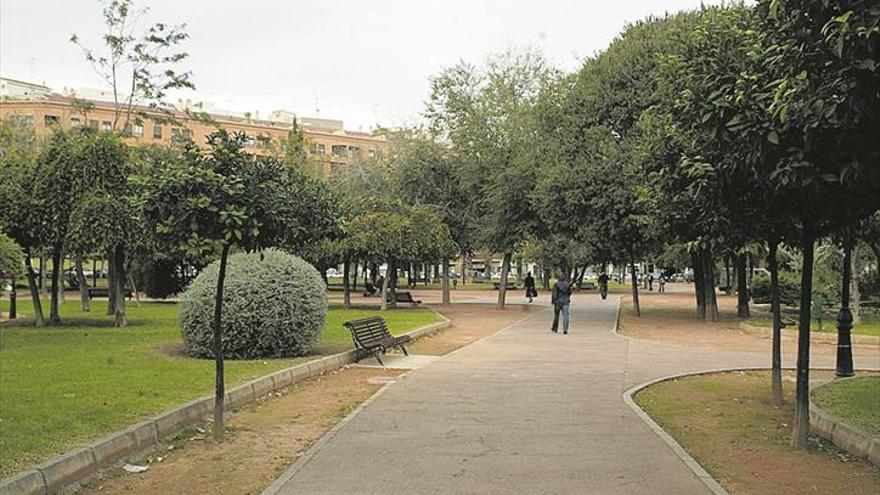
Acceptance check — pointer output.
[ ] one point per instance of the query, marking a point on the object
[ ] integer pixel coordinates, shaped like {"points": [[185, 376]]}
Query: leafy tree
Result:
{"points": [[19, 217], [487, 114], [138, 63], [225, 198], [11, 265]]}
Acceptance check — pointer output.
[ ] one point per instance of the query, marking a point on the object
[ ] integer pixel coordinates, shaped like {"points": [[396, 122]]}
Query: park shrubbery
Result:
{"points": [[789, 288], [274, 305]]}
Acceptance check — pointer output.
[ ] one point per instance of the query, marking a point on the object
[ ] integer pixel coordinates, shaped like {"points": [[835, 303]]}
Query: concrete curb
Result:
{"points": [[74, 466], [846, 436], [824, 337], [676, 447]]}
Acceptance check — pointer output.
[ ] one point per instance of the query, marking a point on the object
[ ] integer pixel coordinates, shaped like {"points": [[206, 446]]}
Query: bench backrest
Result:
{"points": [[366, 332]]}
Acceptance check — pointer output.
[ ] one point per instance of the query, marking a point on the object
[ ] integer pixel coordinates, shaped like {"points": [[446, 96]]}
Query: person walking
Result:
{"points": [[603, 285], [650, 281], [561, 299], [531, 291], [662, 282]]}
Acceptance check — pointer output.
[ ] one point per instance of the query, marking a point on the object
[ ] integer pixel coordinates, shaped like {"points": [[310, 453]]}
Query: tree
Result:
{"points": [[823, 57], [19, 217], [11, 264], [214, 201], [487, 115], [426, 174], [138, 64]]}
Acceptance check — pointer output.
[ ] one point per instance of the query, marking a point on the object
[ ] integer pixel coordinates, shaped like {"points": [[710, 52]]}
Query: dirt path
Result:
{"points": [[266, 437], [670, 319]]}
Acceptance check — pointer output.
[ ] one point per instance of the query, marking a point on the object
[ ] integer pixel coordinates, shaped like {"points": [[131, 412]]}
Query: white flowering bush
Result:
{"points": [[274, 305]]}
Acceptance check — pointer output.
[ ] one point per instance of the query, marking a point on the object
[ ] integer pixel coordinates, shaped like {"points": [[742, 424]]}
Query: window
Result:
{"points": [[139, 130], [338, 150], [74, 122], [127, 130], [106, 126], [180, 134], [22, 120], [317, 149], [93, 124], [50, 120], [354, 151], [157, 131]]}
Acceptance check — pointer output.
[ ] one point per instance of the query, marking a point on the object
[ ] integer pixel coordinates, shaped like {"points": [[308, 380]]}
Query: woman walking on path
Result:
{"points": [[531, 292], [561, 299]]}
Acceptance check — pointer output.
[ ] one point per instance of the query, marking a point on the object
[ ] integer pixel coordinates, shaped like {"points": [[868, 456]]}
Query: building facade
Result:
{"points": [[328, 144]]}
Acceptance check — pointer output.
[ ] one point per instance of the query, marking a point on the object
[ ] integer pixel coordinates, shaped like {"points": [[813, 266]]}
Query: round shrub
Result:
{"points": [[274, 305]]}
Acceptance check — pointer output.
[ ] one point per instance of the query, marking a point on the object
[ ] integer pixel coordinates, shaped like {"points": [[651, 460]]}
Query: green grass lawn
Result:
{"points": [[855, 401], [868, 326], [62, 386]]}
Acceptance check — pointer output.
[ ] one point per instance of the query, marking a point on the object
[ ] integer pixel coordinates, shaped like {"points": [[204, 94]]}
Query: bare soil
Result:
{"points": [[728, 422], [470, 322], [265, 438], [671, 319]]}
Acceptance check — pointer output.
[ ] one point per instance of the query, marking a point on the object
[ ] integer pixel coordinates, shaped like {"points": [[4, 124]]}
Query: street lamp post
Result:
{"points": [[845, 318]]}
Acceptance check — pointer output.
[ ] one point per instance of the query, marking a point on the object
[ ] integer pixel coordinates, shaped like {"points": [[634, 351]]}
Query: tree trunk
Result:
{"points": [[545, 278], [119, 289], [346, 290], [13, 298], [699, 281], [855, 294], [709, 286], [444, 284], [83, 283], [54, 310], [354, 277], [385, 284], [580, 279], [219, 388], [729, 287], [777, 323], [502, 286], [742, 289], [800, 438], [111, 282], [635, 285], [94, 273], [464, 268], [35, 290], [394, 276], [44, 287]]}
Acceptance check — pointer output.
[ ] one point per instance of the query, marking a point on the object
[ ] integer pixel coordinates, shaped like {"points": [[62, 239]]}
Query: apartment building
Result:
{"points": [[329, 145]]}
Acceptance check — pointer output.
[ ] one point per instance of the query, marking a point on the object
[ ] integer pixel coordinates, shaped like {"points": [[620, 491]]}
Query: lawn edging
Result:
{"points": [[824, 337], [76, 465], [846, 436]]}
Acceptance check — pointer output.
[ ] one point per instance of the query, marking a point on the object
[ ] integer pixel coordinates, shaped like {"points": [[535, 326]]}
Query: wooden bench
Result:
{"points": [[105, 292], [404, 297], [371, 337]]}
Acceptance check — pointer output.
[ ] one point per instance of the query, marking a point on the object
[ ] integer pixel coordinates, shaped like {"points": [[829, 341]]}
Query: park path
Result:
{"points": [[524, 411]]}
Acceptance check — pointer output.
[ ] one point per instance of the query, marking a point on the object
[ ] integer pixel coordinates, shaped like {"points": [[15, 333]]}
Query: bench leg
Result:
{"points": [[378, 355], [403, 348]]}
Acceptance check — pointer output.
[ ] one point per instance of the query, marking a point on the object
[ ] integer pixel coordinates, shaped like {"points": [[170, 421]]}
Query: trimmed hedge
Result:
{"points": [[274, 305], [789, 288]]}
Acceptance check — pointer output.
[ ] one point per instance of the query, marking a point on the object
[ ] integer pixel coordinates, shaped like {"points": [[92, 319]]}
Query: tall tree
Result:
{"points": [[138, 63]]}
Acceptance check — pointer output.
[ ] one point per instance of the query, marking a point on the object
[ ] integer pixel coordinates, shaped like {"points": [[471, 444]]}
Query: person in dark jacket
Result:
{"points": [[531, 292], [561, 300]]}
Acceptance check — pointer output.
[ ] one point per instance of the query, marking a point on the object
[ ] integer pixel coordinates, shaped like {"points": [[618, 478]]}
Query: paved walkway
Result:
{"points": [[524, 411]]}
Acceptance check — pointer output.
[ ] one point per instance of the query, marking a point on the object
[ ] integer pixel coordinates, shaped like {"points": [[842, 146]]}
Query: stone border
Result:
{"points": [[74, 466], [846, 436], [824, 337]]}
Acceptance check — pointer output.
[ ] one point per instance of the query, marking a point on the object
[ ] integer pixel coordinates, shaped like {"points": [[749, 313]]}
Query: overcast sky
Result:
{"points": [[365, 62]]}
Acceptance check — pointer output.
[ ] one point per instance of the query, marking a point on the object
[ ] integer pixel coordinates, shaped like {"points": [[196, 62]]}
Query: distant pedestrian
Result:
{"points": [[561, 300], [650, 281], [531, 291], [662, 282], [603, 285]]}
